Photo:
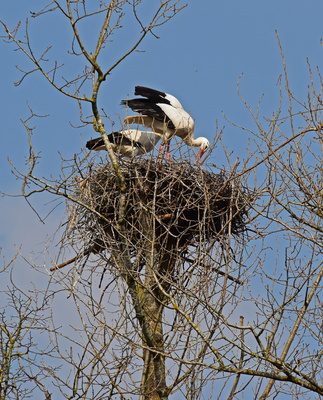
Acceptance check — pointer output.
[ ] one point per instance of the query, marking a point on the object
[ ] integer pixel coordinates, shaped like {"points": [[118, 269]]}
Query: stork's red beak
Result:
{"points": [[200, 154]]}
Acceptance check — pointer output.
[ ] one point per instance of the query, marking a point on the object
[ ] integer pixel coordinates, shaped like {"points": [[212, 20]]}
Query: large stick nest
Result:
{"points": [[175, 204]]}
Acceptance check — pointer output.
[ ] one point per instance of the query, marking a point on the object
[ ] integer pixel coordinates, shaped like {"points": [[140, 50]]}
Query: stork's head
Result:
{"points": [[204, 145]]}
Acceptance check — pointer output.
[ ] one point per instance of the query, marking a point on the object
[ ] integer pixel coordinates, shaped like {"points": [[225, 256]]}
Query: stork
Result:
{"points": [[164, 114], [129, 142]]}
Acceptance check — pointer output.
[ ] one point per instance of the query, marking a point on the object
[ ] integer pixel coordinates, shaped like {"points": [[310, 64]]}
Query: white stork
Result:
{"points": [[164, 114], [129, 142]]}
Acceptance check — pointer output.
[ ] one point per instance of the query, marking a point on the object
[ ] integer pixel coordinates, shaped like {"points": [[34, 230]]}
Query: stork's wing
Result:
{"points": [[157, 127], [116, 138], [95, 144], [152, 110], [157, 97]]}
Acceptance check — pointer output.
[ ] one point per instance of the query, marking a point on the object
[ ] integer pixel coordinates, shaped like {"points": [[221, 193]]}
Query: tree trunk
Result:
{"points": [[153, 382], [153, 378]]}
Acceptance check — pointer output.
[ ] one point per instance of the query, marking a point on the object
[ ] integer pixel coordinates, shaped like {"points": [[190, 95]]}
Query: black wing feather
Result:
{"points": [[94, 143], [149, 108], [154, 95], [116, 138]]}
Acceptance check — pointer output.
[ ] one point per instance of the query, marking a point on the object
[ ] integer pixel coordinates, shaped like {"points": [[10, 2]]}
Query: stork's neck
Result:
{"points": [[190, 141]]}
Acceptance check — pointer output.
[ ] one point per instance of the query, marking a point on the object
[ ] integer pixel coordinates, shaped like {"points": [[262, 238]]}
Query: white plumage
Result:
{"points": [[164, 114]]}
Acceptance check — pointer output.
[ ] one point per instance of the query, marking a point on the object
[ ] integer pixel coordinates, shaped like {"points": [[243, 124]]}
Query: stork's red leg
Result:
{"points": [[160, 150], [167, 150], [161, 147]]}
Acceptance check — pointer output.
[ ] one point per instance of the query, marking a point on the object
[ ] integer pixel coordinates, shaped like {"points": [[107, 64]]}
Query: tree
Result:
{"points": [[182, 260]]}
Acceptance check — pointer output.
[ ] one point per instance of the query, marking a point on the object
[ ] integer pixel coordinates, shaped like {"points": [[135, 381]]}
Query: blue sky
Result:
{"points": [[199, 58]]}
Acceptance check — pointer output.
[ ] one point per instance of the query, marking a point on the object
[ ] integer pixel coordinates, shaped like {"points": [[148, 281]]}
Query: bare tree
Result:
{"points": [[174, 283], [23, 318]]}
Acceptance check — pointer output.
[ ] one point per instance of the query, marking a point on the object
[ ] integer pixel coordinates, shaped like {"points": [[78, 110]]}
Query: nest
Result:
{"points": [[173, 205]]}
